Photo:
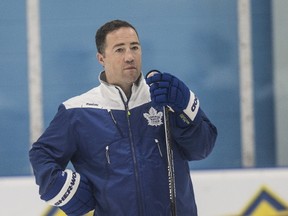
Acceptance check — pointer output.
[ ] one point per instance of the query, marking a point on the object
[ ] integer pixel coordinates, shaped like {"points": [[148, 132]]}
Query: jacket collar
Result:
{"points": [[140, 91]]}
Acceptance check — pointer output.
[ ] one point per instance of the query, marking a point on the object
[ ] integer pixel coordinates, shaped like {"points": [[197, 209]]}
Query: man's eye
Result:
{"points": [[120, 50], [135, 48]]}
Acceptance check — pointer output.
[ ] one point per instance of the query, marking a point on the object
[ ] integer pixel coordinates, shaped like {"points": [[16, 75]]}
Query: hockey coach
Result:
{"points": [[115, 137]]}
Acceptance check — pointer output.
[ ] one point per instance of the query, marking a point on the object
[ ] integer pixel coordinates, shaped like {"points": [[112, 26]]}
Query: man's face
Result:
{"points": [[122, 57]]}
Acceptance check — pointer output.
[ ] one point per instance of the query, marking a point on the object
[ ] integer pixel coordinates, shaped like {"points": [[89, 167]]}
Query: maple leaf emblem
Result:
{"points": [[154, 118]]}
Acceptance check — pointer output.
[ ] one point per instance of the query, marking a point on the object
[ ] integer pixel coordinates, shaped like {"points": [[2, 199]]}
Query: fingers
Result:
{"points": [[152, 73], [158, 77]]}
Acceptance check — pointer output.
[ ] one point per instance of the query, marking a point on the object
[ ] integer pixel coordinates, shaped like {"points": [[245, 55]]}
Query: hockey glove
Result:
{"points": [[71, 193], [168, 90], [165, 89]]}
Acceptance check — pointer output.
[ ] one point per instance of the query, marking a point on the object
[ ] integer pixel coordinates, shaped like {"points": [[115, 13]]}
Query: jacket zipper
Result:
{"points": [[135, 162], [115, 122], [159, 148], [138, 188], [107, 155]]}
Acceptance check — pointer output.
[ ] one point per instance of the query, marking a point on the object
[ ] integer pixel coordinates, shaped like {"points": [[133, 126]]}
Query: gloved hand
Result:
{"points": [[71, 193], [167, 90]]}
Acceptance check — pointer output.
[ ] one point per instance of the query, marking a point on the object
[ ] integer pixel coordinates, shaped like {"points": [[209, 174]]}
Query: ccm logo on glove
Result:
{"points": [[194, 106]]}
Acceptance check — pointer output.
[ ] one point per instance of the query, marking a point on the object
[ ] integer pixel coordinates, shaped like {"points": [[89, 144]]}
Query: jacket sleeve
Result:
{"points": [[196, 138], [53, 150]]}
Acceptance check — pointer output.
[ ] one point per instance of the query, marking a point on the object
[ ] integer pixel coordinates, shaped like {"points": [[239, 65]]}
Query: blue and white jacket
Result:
{"points": [[119, 146]]}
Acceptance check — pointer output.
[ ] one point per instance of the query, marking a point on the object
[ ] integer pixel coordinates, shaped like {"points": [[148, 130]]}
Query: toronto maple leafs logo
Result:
{"points": [[154, 118]]}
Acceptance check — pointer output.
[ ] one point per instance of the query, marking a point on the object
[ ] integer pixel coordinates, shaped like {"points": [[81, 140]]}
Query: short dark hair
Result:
{"points": [[100, 37]]}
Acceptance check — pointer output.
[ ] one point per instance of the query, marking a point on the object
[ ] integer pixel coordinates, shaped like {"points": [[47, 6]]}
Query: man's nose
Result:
{"points": [[129, 57]]}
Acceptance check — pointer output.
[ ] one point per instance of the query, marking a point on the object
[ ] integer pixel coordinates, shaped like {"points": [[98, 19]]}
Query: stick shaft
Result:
{"points": [[171, 173]]}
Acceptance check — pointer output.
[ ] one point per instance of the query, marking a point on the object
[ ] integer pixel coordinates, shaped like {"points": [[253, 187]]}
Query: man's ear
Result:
{"points": [[100, 58]]}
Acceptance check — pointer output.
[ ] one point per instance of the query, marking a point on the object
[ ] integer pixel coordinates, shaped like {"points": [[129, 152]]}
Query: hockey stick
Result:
{"points": [[170, 159], [171, 172]]}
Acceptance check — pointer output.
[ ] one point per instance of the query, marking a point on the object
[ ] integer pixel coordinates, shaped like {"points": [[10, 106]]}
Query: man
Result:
{"points": [[114, 136]]}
